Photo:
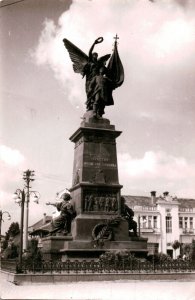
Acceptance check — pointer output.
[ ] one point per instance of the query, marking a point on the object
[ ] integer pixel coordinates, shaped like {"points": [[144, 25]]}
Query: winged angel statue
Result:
{"points": [[101, 80]]}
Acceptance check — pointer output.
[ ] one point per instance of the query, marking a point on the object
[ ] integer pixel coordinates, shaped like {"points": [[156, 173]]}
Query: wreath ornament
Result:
{"points": [[104, 231]]}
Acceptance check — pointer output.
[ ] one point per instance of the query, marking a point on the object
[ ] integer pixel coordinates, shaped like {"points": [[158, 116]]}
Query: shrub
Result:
{"points": [[11, 252], [159, 258], [112, 257], [33, 254], [192, 251]]}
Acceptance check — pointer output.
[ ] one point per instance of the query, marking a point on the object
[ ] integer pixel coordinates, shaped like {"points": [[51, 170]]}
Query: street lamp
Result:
{"points": [[20, 197], [1, 219]]}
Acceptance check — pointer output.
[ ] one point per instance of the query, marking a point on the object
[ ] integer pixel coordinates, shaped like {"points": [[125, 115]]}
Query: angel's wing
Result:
{"points": [[103, 59], [77, 56]]}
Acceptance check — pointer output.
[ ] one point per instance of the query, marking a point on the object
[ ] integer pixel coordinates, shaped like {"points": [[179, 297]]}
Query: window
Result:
{"points": [[145, 208], [149, 221], [186, 209], [155, 221], [180, 222], [186, 222], [144, 221], [191, 223], [168, 224]]}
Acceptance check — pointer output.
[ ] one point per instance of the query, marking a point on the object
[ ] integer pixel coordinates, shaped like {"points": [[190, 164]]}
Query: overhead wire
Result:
{"points": [[50, 176], [8, 4]]}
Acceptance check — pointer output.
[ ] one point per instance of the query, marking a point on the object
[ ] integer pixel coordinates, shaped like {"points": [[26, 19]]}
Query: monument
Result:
{"points": [[101, 222]]}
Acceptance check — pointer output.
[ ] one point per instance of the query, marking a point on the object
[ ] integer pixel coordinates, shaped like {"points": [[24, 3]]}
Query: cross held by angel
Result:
{"points": [[101, 80]]}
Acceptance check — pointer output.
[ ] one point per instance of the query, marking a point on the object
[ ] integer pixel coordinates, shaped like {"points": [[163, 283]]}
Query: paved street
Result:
{"points": [[134, 290]]}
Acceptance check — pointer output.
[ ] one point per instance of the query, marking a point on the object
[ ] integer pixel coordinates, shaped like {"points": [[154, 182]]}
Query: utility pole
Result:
{"points": [[20, 197], [28, 177]]}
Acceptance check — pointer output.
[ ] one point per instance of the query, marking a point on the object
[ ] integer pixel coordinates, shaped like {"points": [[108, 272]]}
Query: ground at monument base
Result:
{"points": [[122, 289]]}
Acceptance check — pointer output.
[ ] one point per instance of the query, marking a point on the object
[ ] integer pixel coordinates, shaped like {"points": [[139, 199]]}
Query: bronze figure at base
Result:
{"points": [[62, 224]]}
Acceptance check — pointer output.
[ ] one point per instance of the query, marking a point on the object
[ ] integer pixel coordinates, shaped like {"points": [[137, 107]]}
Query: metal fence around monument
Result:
{"points": [[105, 267]]}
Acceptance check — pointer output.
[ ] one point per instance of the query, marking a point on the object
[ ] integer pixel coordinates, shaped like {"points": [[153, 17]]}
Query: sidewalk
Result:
{"points": [[131, 290]]}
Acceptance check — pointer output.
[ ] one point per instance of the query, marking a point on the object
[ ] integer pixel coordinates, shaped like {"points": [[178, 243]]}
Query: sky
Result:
{"points": [[42, 99]]}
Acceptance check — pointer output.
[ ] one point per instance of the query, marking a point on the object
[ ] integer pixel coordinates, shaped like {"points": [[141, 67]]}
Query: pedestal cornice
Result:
{"points": [[96, 185], [93, 130]]}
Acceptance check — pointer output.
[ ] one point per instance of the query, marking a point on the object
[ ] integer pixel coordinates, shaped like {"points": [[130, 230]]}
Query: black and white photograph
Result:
{"points": [[97, 110]]}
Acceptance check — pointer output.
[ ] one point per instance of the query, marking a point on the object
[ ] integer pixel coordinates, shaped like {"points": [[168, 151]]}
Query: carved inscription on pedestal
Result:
{"points": [[99, 138]]}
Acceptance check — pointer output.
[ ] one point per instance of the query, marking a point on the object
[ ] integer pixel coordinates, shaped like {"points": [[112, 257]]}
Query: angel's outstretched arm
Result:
{"points": [[50, 203], [97, 41]]}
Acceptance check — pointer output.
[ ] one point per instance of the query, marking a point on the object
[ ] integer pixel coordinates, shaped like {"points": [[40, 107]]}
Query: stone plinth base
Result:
{"points": [[51, 246], [81, 245], [82, 249], [84, 225], [64, 247]]}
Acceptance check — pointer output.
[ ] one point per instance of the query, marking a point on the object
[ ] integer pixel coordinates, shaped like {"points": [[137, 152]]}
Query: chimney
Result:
{"points": [[165, 194], [44, 218], [153, 197]]}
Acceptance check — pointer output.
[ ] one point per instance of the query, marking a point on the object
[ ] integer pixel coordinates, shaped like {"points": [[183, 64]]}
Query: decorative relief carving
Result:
{"points": [[105, 203], [99, 177], [77, 177]]}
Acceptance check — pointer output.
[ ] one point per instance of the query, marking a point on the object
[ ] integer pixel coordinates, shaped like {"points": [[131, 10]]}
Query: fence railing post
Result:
{"points": [[51, 266], [33, 267], [123, 263], [153, 263]]}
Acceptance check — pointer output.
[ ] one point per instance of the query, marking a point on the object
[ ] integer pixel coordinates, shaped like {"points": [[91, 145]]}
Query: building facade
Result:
{"points": [[45, 220], [163, 220]]}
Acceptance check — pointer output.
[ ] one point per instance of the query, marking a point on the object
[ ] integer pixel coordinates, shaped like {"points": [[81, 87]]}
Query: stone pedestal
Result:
{"points": [[95, 170], [96, 195]]}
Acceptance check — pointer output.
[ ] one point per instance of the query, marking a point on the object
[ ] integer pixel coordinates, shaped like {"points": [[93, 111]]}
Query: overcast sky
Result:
{"points": [[42, 99]]}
